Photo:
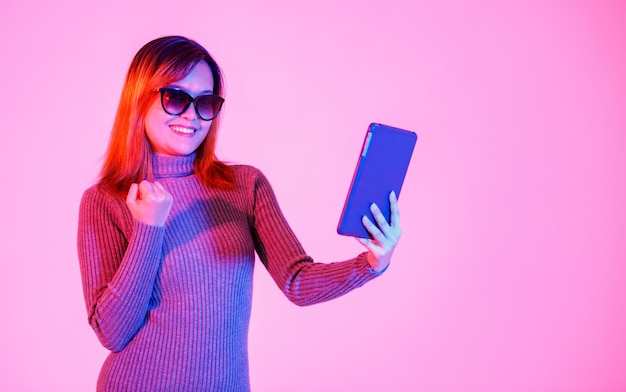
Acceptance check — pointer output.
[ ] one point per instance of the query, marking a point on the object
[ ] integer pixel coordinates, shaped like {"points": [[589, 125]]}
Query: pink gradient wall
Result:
{"points": [[511, 272]]}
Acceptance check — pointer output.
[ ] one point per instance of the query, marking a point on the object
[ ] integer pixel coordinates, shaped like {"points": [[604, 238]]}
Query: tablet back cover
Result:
{"points": [[381, 168]]}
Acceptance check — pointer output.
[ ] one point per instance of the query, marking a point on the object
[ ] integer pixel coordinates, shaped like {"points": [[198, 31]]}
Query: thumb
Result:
{"points": [[131, 198]]}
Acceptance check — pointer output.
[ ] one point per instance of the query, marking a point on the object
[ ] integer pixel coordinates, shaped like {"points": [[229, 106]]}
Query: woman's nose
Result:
{"points": [[190, 113]]}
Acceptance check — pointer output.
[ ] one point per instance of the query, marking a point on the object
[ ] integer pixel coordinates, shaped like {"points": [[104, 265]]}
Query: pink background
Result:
{"points": [[511, 272]]}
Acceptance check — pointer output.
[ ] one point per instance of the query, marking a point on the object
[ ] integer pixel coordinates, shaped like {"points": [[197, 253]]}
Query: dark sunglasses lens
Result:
{"points": [[174, 102], [208, 106]]}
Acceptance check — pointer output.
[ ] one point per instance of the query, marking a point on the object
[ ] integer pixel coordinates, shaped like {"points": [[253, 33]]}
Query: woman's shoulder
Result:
{"points": [[98, 195], [98, 190], [245, 174], [104, 208], [249, 178], [244, 168]]}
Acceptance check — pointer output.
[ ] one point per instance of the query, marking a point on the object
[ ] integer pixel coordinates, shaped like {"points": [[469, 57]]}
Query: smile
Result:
{"points": [[180, 129]]}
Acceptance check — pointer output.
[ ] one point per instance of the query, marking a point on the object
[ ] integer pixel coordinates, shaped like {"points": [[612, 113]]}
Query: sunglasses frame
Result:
{"points": [[190, 100]]}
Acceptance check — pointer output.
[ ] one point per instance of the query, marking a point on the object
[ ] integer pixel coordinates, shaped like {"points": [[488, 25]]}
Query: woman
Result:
{"points": [[167, 238]]}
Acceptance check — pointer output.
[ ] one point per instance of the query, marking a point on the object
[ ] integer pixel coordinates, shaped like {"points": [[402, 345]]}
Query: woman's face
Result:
{"points": [[180, 134]]}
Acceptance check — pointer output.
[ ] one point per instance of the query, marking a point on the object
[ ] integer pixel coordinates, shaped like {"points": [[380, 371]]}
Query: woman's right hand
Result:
{"points": [[149, 202]]}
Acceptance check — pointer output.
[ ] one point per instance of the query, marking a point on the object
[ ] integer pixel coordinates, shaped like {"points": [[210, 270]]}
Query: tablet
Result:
{"points": [[382, 166]]}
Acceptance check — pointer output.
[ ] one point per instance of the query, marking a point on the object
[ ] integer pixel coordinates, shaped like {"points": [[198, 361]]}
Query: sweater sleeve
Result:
{"points": [[118, 273], [302, 280]]}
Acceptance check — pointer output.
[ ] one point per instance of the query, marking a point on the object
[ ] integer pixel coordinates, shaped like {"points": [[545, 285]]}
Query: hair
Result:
{"points": [[129, 156]]}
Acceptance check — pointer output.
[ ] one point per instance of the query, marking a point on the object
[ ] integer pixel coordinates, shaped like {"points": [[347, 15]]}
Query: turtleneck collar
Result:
{"points": [[172, 166]]}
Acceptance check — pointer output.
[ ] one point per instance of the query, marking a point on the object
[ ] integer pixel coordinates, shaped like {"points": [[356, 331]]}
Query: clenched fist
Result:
{"points": [[149, 202]]}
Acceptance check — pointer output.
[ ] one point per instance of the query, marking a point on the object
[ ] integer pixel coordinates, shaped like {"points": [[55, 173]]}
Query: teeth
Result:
{"points": [[182, 129]]}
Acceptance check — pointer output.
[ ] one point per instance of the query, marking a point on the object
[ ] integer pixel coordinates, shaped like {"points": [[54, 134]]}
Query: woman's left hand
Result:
{"points": [[385, 235]]}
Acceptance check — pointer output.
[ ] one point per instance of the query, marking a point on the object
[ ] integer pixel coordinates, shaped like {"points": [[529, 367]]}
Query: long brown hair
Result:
{"points": [[129, 156]]}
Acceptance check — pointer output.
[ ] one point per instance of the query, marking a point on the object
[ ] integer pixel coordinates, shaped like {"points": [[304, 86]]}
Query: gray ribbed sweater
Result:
{"points": [[173, 303]]}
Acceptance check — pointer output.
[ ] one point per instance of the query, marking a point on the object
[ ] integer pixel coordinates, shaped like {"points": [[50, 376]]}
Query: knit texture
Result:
{"points": [[173, 303]]}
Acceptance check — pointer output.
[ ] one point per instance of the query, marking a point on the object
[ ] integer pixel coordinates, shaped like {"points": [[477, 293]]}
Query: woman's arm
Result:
{"points": [[119, 261], [303, 281]]}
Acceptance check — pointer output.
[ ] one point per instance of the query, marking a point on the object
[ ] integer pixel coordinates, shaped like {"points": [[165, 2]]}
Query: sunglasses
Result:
{"points": [[176, 102]]}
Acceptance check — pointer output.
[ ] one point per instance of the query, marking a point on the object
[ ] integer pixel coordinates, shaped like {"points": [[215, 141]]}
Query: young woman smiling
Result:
{"points": [[167, 237]]}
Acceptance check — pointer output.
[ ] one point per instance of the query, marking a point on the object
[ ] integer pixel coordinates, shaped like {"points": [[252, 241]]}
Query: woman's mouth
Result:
{"points": [[179, 129]]}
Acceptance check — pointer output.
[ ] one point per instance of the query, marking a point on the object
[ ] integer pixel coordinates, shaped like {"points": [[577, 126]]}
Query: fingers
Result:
{"points": [[382, 237], [385, 235], [380, 219], [131, 198], [378, 257], [389, 230], [395, 212], [151, 191], [146, 190], [371, 245], [149, 202], [370, 227], [161, 192], [159, 188]]}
